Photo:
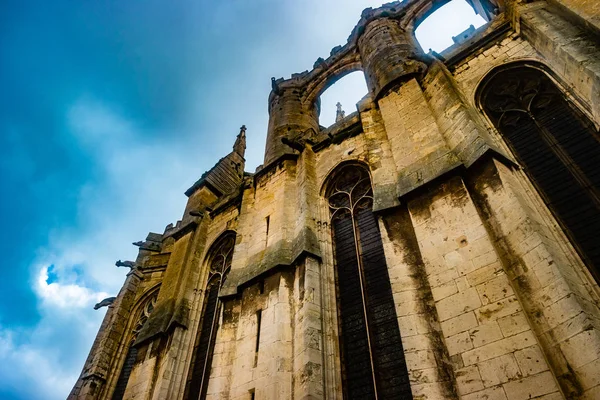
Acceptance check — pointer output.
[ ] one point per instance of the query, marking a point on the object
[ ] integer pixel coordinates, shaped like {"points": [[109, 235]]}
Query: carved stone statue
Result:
{"points": [[129, 264], [105, 303], [339, 114]]}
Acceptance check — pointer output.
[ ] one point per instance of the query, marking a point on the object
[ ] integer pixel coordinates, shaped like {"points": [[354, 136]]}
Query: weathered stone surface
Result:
{"points": [[491, 299]]}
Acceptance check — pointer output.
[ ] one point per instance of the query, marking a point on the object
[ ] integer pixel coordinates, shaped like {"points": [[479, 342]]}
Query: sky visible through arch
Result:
{"points": [[109, 111]]}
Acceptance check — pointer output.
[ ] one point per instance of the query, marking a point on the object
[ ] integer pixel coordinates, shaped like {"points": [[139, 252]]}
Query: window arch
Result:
{"points": [[219, 263], [556, 143], [145, 311], [347, 90], [373, 364]]}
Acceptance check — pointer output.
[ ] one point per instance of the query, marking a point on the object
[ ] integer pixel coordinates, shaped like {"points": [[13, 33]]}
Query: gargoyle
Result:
{"points": [[294, 144], [105, 303], [196, 213], [129, 264], [138, 244]]}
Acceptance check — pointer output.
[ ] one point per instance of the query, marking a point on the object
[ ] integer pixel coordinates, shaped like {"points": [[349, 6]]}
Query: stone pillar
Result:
{"points": [[289, 118], [557, 294], [492, 347], [308, 332], [458, 121], [427, 359], [389, 55]]}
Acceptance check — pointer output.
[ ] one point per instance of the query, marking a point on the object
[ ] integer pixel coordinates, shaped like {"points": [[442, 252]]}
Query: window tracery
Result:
{"points": [[131, 356], [373, 364], [558, 146], [219, 264]]}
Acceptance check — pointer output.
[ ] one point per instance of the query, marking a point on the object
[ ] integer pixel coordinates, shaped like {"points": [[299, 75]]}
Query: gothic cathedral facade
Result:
{"points": [[441, 242]]}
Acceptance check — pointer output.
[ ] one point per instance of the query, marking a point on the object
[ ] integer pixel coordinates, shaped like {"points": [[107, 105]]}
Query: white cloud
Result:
{"points": [[64, 295], [138, 188]]}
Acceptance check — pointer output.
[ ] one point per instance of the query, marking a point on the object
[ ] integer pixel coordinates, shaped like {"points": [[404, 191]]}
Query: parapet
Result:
{"points": [[382, 44]]}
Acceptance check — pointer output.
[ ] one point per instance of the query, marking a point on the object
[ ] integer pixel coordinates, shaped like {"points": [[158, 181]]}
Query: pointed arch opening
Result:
{"points": [[347, 91], [144, 310], [372, 356], [218, 264], [555, 142], [453, 23]]}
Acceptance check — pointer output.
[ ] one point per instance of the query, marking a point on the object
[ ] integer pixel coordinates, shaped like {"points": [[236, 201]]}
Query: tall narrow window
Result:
{"points": [[373, 364], [257, 347], [558, 146], [219, 261], [131, 356]]}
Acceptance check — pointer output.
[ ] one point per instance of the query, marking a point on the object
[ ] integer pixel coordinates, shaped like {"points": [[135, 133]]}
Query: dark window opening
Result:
{"points": [[131, 356], [373, 364], [268, 221], [257, 346], [219, 264], [558, 146]]}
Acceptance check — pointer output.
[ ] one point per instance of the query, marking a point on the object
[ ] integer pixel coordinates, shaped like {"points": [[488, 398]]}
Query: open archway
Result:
{"points": [[347, 91], [452, 23]]}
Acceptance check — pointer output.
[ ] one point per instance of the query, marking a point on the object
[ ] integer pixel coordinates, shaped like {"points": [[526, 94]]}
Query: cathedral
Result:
{"points": [[440, 242]]}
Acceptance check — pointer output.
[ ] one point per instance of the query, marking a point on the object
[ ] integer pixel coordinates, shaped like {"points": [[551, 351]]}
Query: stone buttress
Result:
{"points": [[494, 297]]}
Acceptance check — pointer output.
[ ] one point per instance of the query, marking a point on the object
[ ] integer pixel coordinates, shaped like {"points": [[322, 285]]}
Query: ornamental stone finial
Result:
{"points": [[339, 114]]}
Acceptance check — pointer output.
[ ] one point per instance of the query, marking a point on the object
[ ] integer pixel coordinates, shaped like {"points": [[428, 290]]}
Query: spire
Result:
{"points": [[339, 114], [240, 143]]}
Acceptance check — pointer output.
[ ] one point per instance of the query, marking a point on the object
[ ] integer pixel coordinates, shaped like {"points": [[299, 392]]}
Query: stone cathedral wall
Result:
{"points": [[492, 299]]}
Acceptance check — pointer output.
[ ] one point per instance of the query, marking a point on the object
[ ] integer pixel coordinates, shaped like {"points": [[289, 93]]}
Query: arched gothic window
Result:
{"points": [[373, 364], [219, 263], [131, 356], [558, 146]]}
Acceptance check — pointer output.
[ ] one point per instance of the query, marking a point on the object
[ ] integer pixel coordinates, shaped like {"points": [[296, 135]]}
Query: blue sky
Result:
{"points": [[109, 111]]}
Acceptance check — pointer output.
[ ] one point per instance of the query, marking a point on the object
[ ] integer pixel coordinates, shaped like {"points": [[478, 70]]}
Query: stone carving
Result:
{"points": [[339, 114], [294, 144], [129, 264], [105, 303]]}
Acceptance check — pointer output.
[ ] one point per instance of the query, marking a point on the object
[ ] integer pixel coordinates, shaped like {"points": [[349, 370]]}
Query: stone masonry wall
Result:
{"points": [[492, 300]]}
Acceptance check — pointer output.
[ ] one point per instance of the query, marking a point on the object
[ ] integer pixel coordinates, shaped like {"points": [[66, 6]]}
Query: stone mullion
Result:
{"points": [[332, 372]]}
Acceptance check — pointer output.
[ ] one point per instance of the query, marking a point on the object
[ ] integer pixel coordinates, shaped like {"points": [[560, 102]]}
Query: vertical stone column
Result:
{"points": [[556, 292], [459, 123], [308, 333], [430, 371], [389, 55], [268, 371], [420, 152], [492, 346], [274, 367], [221, 374], [289, 118]]}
